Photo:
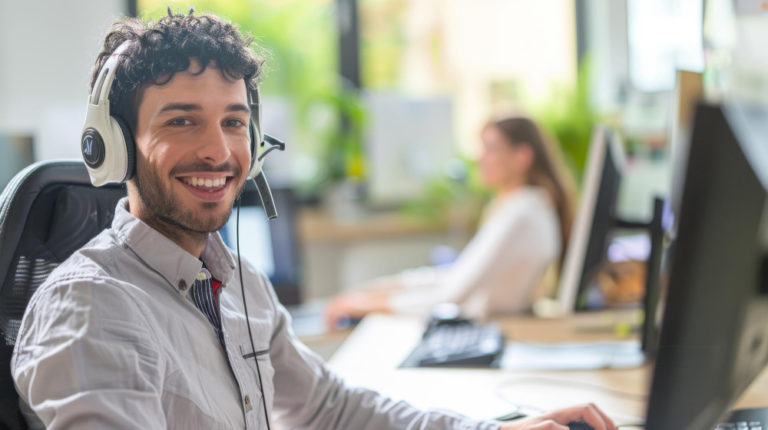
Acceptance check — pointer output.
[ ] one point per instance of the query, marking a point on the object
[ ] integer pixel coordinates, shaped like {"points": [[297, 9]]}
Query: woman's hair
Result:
{"points": [[165, 47], [547, 169]]}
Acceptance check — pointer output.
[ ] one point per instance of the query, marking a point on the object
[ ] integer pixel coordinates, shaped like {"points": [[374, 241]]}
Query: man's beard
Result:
{"points": [[166, 207]]}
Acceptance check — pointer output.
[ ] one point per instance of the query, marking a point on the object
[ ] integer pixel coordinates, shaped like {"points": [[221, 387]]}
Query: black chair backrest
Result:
{"points": [[47, 211]]}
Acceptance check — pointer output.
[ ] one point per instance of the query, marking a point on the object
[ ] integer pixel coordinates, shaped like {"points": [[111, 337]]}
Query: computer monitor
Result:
{"points": [[590, 234], [714, 334], [269, 245], [686, 96]]}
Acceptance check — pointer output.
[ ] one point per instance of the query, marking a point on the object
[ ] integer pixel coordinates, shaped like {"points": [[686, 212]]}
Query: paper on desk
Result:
{"points": [[572, 355]]}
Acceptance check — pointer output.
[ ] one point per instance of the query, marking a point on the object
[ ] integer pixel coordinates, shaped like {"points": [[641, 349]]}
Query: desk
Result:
{"points": [[371, 354]]}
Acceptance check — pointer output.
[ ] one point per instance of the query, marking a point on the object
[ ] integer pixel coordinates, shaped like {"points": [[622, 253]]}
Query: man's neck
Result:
{"points": [[192, 242]]}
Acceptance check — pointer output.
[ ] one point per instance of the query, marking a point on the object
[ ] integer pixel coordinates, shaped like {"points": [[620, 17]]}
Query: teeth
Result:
{"points": [[205, 182]]}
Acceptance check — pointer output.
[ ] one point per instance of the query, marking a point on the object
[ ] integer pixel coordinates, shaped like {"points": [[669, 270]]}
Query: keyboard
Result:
{"points": [[746, 419], [458, 344]]}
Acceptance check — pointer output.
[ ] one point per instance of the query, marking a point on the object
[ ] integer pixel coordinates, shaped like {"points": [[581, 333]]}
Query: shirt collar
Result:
{"points": [[218, 259], [164, 256]]}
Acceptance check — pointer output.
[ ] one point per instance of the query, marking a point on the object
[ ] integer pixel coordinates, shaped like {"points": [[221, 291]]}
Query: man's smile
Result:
{"points": [[207, 186]]}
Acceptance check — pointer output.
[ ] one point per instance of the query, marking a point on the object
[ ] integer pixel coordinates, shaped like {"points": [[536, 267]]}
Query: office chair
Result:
{"points": [[47, 211]]}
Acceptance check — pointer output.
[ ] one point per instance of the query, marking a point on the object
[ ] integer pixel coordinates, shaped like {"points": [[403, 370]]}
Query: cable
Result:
{"points": [[247, 320]]}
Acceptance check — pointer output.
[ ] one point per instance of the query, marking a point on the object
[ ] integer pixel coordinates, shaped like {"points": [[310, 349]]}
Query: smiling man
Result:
{"points": [[193, 151], [153, 324]]}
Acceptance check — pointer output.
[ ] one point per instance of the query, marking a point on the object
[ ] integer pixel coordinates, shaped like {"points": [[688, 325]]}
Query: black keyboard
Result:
{"points": [[458, 344], [746, 419]]}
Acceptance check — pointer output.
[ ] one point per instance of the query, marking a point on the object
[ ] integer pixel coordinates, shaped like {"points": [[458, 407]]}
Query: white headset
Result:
{"points": [[107, 143]]}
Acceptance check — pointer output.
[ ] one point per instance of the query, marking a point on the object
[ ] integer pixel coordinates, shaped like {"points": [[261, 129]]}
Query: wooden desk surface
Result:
{"points": [[317, 226], [372, 352]]}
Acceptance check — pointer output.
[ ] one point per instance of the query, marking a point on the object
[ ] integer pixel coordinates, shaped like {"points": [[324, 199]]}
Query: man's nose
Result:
{"points": [[214, 146]]}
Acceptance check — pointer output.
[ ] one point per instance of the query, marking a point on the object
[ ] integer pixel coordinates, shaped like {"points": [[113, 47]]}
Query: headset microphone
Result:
{"points": [[262, 186], [265, 194], [258, 153]]}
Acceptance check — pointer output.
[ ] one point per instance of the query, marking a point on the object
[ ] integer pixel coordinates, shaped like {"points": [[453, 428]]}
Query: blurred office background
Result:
{"points": [[381, 103]]}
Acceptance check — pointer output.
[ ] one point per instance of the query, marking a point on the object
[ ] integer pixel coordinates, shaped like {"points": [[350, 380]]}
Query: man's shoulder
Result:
{"points": [[94, 260], [95, 264], [80, 299]]}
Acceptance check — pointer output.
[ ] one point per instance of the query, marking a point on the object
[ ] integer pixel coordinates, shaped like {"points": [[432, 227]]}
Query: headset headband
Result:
{"points": [[107, 74]]}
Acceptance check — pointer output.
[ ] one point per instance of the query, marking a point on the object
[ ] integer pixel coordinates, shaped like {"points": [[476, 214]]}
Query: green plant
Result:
{"points": [[341, 152], [298, 40], [570, 116], [457, 187]]}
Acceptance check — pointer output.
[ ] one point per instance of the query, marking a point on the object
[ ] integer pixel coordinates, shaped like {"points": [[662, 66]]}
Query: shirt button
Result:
{"points": [[183, 285], [247, 403]]}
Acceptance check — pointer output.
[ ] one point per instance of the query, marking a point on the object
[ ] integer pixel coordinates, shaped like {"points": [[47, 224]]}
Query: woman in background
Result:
{"points": [[519, 245]]}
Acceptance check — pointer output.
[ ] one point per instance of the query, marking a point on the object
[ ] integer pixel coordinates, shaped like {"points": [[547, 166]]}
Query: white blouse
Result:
{"points": [[501, 267]]}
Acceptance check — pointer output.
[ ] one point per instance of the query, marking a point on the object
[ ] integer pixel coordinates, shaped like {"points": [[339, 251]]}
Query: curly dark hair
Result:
{"points": [[164, 47]]}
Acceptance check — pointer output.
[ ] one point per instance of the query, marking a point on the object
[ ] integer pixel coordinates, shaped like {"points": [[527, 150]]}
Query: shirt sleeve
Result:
{"points": [[512, 245], [308, 395], [88, 367]]}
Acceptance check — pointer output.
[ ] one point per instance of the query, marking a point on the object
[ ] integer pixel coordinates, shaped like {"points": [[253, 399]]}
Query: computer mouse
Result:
{"points": [[579, 425]]}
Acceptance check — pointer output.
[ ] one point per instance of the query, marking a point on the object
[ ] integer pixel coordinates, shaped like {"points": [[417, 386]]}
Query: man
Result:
{"points": [[145, 327]]}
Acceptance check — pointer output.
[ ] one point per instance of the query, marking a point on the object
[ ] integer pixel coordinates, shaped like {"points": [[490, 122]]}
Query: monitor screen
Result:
{"points": [[595, 219], [256, 242], [714, 334]]}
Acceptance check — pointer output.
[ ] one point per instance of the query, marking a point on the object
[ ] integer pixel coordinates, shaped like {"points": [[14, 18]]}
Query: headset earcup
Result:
{"points": [[92, 148], [130, 148], [104, 149]]}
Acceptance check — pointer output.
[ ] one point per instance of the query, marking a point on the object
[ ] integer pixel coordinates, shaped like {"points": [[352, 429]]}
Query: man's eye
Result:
{"points": [[234, 123], [179, 121]]}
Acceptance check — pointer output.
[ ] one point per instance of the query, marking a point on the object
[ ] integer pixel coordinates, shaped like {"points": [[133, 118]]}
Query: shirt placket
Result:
{"points": [[243, 375], [208, 303]]}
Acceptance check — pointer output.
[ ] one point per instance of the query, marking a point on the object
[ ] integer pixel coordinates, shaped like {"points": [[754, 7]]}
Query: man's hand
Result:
{"points": [[356, 304], [558, 420]]}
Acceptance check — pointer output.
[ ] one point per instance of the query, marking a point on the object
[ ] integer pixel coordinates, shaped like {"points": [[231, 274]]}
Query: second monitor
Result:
{"points": [[590, 235]]}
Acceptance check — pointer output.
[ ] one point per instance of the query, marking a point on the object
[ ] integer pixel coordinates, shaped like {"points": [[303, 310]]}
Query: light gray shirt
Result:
{"points": [[113, 340]]}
